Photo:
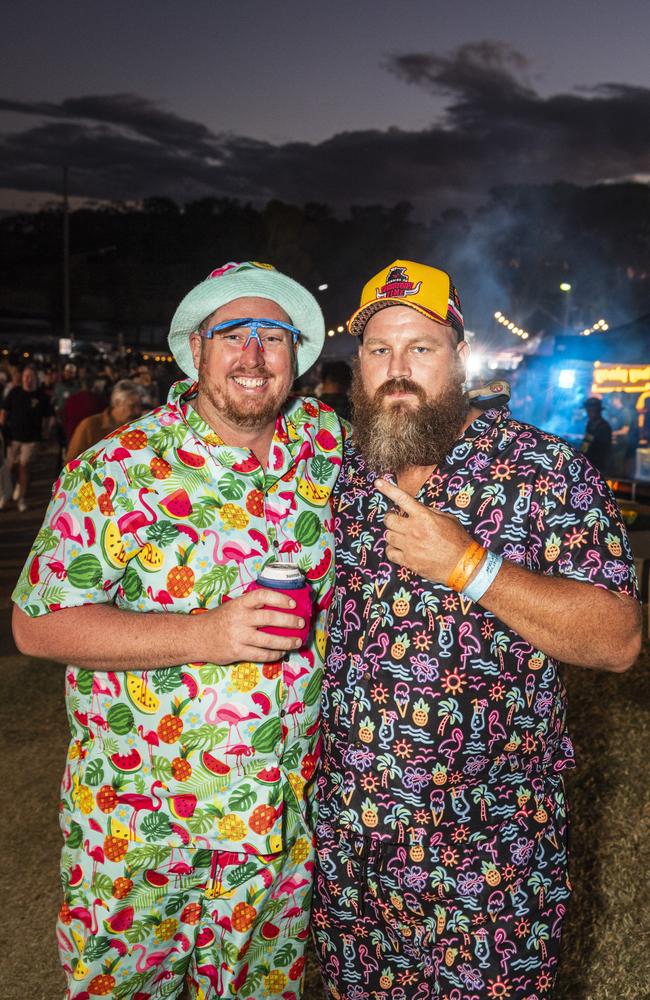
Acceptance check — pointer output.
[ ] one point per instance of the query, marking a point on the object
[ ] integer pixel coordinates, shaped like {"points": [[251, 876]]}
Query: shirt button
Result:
{"points": [[282, 712], [366, 676], [276, 544]]}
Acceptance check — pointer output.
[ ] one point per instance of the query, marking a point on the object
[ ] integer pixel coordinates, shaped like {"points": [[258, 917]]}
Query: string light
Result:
{"points": [[598, 327], [509, 325]]}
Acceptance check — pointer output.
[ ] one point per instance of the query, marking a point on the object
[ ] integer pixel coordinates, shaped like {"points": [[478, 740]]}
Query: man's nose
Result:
{"points": [[252, 352], [399, 365]]}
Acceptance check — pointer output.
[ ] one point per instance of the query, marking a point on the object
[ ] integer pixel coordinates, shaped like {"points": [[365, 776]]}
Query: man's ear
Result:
{"points": [[463, 351], [196, 346]]}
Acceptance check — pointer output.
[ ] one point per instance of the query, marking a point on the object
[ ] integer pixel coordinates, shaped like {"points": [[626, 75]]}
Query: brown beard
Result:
{"points": [[399, 436], [247, 417]]}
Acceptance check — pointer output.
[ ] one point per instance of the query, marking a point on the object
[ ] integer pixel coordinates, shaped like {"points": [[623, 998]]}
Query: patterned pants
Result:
{"points": [[480, 920], [224, 923]]}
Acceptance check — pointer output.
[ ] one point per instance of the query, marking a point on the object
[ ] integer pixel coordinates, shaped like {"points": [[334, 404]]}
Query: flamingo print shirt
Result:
{"points": [[162, 517], [428, 699]]}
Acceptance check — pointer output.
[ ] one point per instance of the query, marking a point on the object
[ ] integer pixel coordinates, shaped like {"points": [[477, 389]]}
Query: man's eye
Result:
{"points": [[273, 339], [421, 350], [379, 351], [234, 338]]}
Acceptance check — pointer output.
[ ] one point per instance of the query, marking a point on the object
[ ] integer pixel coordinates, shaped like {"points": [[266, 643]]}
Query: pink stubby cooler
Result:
{"points": [[290, 580]]}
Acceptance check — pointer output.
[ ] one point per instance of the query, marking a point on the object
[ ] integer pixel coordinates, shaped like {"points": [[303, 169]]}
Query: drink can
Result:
{"points": [[290, 580]]}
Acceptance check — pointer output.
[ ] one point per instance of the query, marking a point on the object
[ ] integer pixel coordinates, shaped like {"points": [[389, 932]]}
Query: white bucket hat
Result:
{"points": [[236, 281]]}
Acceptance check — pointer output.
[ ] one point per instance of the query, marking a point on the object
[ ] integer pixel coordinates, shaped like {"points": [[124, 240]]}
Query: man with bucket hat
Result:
{"points": [[467, 566], [186, 799]]}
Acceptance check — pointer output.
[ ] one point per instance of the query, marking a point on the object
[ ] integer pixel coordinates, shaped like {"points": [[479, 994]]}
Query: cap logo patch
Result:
{"points": [[397, 285]]}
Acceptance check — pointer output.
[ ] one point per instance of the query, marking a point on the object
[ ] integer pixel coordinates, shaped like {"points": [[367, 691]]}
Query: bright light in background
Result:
{"points": [[565, 287], [566, 378], [340, 329], [330, 333], [323, 288], [510, 325], [475, 364], [599, 327]]}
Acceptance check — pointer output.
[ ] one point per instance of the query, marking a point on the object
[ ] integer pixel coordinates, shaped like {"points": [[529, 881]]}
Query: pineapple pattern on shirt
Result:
{"points": [[442, 821], [162, 516]]}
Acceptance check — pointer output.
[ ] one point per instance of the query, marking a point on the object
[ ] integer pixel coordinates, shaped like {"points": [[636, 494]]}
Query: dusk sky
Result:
{"points": [[345, 102]]}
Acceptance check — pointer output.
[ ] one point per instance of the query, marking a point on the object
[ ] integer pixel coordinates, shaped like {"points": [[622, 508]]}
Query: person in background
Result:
{"points": [[467, 566], [65, 387], [81, 404], [193, 703], [125, 405], [148, 386], [67, 384], [624, 421], [334, 386], [15, 379], [597, 442], [23, 416]]}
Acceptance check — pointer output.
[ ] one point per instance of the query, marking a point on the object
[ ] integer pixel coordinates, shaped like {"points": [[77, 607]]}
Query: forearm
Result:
{"points": [[103, 637], [568, 620]]}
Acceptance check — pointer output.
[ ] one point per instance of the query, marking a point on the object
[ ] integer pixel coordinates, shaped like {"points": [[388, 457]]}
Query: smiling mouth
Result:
{"points": [[249, 383]]}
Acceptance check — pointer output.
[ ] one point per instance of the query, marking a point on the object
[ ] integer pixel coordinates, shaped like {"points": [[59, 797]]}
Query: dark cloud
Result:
{"points": [[495, 130]]}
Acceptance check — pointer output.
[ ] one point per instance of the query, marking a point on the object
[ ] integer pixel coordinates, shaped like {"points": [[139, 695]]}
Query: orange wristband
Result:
{"points": [[465, 566]]}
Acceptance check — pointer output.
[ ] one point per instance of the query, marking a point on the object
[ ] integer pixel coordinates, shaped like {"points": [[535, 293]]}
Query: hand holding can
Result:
{"points": [[290, 580]]}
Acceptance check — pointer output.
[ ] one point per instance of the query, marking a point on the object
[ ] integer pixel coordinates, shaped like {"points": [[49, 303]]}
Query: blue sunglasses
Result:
{"points": [[253, 326]]}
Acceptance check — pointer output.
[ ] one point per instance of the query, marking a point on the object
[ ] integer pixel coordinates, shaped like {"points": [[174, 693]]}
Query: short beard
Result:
{"points": [[250, 417], [399, 436]]}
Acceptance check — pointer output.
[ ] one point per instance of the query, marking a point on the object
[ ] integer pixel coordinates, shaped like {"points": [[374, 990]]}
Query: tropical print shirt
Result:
{"points": [[162, 517], [428, 699]]}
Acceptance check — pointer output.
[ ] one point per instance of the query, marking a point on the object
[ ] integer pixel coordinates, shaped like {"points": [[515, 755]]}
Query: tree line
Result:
{"points": [[129, 266]]}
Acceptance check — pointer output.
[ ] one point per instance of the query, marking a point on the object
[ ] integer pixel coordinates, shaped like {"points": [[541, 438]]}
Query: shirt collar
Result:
{"points": [[287, 436]]}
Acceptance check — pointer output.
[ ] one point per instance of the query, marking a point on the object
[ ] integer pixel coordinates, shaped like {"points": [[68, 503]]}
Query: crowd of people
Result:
{"points": [[69, 405]]}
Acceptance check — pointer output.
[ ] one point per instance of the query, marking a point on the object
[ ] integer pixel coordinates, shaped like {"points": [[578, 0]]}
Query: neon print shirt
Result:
{"points": [[428, 699], [162, 517]]}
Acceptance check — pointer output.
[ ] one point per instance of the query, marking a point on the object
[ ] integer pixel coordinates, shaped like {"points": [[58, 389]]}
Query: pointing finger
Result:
{"points": [[408, 504]]}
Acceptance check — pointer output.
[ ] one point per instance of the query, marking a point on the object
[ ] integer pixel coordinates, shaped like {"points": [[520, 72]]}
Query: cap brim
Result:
{"points": [[298, 303], [357, 322]]}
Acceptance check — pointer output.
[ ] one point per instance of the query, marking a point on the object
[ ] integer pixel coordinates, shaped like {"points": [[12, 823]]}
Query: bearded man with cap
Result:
{"points": [[473, 553], [186, 800]]}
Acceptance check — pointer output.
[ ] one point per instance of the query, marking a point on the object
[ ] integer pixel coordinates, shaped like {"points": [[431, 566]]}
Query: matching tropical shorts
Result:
{"points": [[223, 923], [476, 916]]}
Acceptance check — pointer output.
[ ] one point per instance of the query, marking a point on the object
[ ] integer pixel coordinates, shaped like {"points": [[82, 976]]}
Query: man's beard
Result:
{"points": [[397, 436], [250, 414]]}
